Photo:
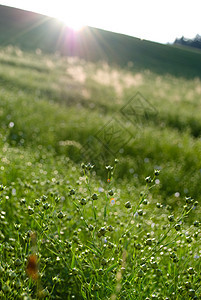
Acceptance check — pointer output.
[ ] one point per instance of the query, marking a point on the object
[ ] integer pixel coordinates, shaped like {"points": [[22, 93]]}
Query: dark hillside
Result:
{"points": [[30, 31]]}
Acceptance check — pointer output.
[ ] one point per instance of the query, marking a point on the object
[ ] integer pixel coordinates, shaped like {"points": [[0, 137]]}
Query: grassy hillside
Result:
{"points": [[31, 31], [115, 230]]}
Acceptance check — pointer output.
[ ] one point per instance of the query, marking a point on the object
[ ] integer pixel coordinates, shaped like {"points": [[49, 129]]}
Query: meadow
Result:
{"points": [[99, 180]]}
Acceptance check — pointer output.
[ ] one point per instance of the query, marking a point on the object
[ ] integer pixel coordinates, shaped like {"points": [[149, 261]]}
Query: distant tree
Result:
{"points": [[196, 42]]}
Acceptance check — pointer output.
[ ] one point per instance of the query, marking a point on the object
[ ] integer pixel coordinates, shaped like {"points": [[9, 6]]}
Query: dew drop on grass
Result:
{"points": [[177, 194], [11, 124]]}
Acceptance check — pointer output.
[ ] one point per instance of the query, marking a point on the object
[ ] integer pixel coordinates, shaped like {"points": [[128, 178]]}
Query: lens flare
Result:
{"points": [[112, 201]]}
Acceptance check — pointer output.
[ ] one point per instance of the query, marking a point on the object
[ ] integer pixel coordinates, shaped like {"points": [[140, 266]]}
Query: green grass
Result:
{"points": [[144, 243]]}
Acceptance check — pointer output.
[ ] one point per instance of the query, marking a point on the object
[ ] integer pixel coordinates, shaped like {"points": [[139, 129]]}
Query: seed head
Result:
{"points": [[74, 271], [191, 293], [177, 227], [72, 192], [138, 246], [30, 210], [18, 262], [109, 168], [46, 206], [189, 239], [94, 196], [90, 227], [89, 166], [110, 228], [171, 218], [157, 172], [83, 166], [187, 284], [103, 261], [128, 204], [191, 271], [22, 201], [60, 215], [145, 202], [196, 223], [111, 193], [189, 200], [148, 242], [36, 202], [83, 201], [44, 198], [148, 179], [101, 231], [140, 212]]}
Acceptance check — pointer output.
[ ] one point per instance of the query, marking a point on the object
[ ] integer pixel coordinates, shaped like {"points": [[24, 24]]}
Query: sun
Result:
{"points": [[74, 22], [76, 25]]}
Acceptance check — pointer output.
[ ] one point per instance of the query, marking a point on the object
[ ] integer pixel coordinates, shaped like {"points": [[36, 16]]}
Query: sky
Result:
{"points": [[155, 20]]}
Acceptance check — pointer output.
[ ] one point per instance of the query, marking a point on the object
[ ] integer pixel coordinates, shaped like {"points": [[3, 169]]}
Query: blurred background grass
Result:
{"points": [[57, 103]]}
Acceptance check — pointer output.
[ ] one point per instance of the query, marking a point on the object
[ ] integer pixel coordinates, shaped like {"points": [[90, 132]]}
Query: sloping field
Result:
{"points": [[30, 31], [105, 229]]}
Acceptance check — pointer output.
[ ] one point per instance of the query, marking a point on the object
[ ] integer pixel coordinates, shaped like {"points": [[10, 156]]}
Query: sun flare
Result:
{"points": [[74, 22]]}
